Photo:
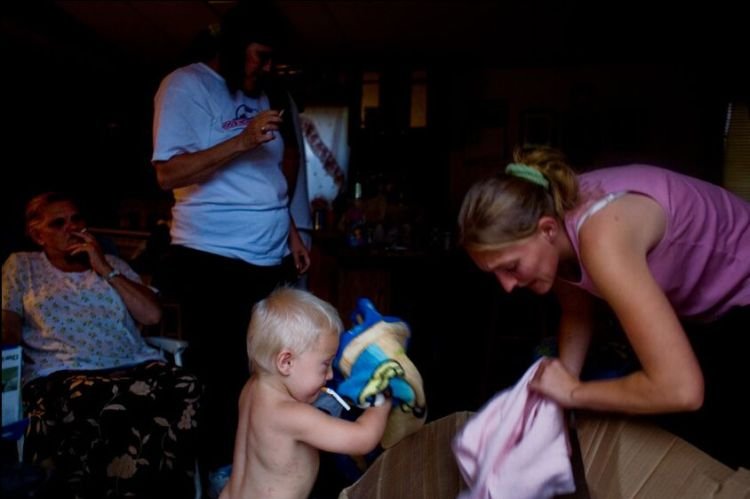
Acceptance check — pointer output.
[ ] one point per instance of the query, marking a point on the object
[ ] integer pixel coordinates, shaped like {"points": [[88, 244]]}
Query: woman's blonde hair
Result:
{"points": [[288, 319], [37, 205], [506, 208]]}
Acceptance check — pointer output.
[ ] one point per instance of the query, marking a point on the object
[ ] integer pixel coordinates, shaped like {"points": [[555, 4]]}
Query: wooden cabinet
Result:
{"points": [[342, 275]]}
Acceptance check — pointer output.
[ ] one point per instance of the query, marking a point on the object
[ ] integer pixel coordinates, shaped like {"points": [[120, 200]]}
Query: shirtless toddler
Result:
{"points": [[292, 340]]}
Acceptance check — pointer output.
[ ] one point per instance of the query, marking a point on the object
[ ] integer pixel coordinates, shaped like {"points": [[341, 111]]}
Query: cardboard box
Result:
{"points": [[629, 458], [420, 466], [623, 458]]}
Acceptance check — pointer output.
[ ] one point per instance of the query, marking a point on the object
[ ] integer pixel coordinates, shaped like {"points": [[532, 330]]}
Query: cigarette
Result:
{"points": [[335, 395], [281, 113], [85, 229]]}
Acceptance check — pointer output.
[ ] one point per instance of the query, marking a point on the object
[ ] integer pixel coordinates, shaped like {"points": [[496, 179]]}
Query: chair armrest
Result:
{"points": [[170, 345]]}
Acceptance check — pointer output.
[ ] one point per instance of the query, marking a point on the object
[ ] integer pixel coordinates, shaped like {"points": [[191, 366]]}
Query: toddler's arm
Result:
{"points": [[331, 434]]}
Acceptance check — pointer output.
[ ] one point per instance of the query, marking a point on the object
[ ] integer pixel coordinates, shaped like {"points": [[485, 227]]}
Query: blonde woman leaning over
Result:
{"points": [[670, 255]]}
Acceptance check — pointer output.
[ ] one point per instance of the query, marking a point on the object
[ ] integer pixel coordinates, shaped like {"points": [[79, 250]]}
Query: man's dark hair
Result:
{"points": [[248, 22]]}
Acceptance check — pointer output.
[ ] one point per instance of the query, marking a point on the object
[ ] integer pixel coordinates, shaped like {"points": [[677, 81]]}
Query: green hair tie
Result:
{"points": [[526, 172]]}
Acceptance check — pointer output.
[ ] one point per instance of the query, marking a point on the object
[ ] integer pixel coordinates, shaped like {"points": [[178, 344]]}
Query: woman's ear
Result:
{"points": [[549, 227], [284, 361], [34, 235]]}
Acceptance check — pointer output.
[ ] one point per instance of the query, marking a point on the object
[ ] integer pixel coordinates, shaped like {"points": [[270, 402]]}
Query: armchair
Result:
{"points": [[171, 346], [115, 433]]}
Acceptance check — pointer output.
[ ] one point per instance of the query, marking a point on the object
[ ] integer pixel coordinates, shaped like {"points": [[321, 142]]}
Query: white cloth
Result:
{"points": [[328, 158]]}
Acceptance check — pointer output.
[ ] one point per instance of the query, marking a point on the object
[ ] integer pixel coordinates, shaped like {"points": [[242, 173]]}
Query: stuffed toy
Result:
{"points": [[372, 361]]}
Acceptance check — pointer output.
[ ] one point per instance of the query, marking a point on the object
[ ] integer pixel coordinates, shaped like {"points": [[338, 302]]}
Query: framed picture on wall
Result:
{"points": [[539, 128]]}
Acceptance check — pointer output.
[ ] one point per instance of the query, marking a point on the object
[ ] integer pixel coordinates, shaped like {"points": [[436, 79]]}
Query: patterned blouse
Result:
{"points": [[71, 320]]}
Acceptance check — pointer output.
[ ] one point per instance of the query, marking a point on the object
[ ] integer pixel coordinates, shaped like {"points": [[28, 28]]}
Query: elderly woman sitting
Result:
{"points": [[108, 416]]}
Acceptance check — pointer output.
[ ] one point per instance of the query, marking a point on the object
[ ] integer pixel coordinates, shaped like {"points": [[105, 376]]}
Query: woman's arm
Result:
{"points": [[12, 325], [142, 303], [196, 167], [614, 246]]}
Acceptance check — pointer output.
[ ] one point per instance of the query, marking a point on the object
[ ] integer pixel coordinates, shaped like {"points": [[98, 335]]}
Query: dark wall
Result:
{"points": [[77, 118], [635, 86]]}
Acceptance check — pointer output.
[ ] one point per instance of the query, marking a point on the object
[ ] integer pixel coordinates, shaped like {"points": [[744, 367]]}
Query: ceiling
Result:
{"points": [[157, 31], [452, 32]]}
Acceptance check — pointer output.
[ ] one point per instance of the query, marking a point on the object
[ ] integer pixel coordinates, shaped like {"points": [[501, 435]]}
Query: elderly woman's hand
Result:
{"points": [[91, 247]]}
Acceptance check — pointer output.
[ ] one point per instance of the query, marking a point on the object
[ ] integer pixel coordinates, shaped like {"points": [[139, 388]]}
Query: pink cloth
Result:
{"points": [[515, 447]]}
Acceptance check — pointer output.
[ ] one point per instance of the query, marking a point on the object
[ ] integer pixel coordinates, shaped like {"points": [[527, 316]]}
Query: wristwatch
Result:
{"points": [[112, 275]]}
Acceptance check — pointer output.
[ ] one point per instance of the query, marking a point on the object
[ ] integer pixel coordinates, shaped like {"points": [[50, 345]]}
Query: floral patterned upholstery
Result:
{"points": [[127, 432]]}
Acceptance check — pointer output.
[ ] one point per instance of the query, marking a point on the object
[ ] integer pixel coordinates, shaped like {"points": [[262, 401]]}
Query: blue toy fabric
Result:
{"points": [[372, 361]]}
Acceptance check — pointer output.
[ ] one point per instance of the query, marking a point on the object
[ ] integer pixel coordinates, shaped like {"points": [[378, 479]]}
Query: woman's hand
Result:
{"points": [[300, 253], [261, 128], [555, 382], [140, 300], [90, 246]]}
